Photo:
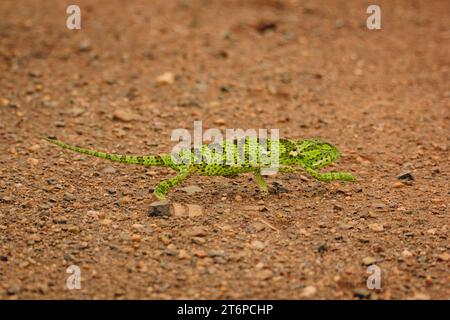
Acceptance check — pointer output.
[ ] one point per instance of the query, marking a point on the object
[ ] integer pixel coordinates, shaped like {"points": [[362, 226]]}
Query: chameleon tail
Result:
{"points": [[141, 160], [330, 176]]}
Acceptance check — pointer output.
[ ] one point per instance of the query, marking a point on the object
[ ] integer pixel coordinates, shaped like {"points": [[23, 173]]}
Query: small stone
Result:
{"points": [[166, 78], [444, 256], [35, 238], [251, 208], [304, 178], [308, 292], [406, 176], [191, 189], [322, 247], [33, 161], [137, 226], [165, 239], [361, 293], [119, 133], [109, 170], [5, 102], [136, 238], [198, 240], [200, 253], [124, 236], [367, 261], [12, 290], [198, 232], [60, 220], [258, 245], [216, 253], [345, 226], [264, 26], [105, 222], [376, 227], [182, 254], [49, 103], [159, 209], [406, 254], [60, 124], [34, 148], [398, 185], [124, 200], [179, 210], [421, 296], [84, 46], [194, 210], [124, 115], [96, 214], [76, 112], [358, 72], [264, 274], [219, 121], [304, 232], [432, 231], [69, 197], [35, 73], [379, 205], [258, 226]]}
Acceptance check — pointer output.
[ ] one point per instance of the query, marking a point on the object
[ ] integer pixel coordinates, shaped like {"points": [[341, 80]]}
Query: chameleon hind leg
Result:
{"points": [[261, 182], [330, 176], [164, 186]]}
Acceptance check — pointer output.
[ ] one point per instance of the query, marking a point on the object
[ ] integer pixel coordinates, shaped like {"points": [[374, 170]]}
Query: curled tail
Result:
{"points": [[141, 160]]}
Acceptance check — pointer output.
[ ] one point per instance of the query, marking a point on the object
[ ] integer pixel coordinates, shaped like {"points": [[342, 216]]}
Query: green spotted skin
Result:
{"points": [[231, 158]]}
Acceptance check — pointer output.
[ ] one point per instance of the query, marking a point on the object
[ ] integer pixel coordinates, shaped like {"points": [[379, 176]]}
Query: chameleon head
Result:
{"points": [[316, 153]]}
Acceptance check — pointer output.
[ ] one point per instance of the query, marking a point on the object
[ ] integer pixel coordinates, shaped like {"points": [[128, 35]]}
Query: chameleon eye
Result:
{"points": [[293, 153]]}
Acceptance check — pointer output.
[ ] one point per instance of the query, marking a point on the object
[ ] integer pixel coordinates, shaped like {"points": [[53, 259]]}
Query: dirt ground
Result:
{"points": [[139, 69]]}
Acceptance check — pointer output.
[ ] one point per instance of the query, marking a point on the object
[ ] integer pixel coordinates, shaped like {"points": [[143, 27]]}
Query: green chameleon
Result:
{"points": [[308, 155]]}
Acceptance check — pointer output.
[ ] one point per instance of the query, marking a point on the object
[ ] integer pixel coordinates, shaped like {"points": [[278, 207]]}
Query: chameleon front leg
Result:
{"points": [[330, 176], [164, 186], [261, 182]]}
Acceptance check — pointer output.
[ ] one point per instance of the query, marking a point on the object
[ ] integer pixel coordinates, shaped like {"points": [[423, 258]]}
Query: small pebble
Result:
{"points": [[194, 210], [106, 222], [166, 78], [124, 115], [33, 161], [264, 274], [258, 245], [308, 292], [159, 209], [361, 293], [69, 197], [191, 189], [406, 176], [398, 185], [367, 261], [406, 254], [198, 232], [376, 227], [444, 256], [109, 170]]}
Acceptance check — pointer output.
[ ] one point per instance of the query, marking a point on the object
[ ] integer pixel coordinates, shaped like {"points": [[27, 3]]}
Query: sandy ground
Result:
{"points": [[308, 68]]}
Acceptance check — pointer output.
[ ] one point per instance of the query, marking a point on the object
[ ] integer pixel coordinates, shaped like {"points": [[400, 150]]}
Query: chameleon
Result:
{"points": [[308, 155]]}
